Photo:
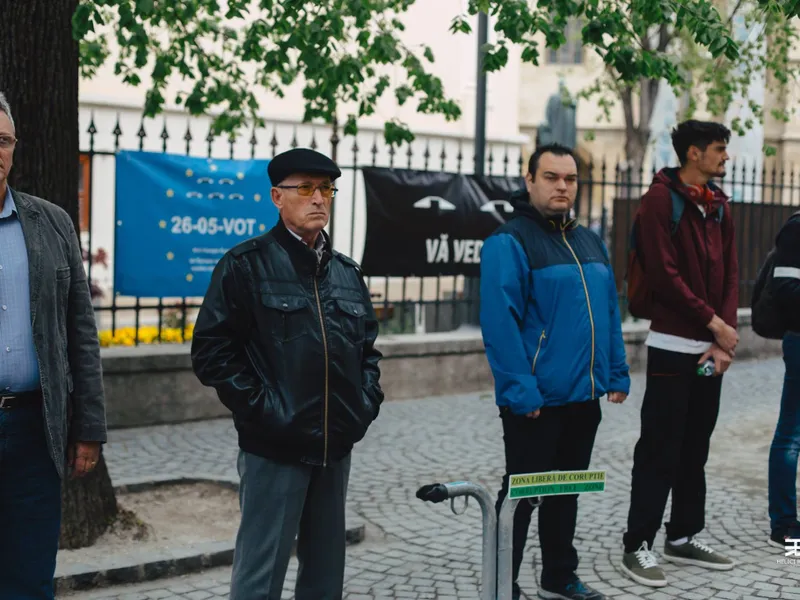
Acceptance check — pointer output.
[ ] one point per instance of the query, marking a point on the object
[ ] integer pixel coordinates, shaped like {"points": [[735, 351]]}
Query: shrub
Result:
{"points": [[126, 336]]}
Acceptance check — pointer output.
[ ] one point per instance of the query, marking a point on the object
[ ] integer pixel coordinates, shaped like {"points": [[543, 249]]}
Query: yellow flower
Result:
{"points": [[149, 334]]}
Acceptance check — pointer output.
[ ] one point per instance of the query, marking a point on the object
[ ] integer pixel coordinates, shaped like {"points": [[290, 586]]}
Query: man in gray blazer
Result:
{"points": [[52, 409]]}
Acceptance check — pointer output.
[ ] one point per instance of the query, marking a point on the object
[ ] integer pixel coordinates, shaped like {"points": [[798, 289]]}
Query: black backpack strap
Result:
{"points": [[678, 206]]}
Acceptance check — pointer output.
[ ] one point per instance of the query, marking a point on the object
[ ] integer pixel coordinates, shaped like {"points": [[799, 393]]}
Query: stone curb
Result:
{"points": [[142, 567]]}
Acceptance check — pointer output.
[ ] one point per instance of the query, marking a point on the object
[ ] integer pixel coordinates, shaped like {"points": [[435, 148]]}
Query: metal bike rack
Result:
{"points": [[505, 546], [498, 531], [439, 492]]}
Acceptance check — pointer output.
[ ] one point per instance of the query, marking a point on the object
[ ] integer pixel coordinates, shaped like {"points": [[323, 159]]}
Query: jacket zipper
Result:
{"points": [[325, 348], [588, 304], [538, 349]]}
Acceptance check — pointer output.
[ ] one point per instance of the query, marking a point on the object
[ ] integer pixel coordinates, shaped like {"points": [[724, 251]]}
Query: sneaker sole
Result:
{"points": [[642, 580], [679, 560], [545, 595], [550, 595]]}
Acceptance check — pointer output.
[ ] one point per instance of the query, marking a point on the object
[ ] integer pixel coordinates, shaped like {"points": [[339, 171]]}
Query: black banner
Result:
{"points": [[424, 223]]}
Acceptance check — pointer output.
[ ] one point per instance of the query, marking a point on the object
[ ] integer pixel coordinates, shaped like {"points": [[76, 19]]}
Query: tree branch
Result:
{"points": [[645, 43], [613, 80], [653, 85], [664, 38], [733, 13], [647, 101], [626, 96]]}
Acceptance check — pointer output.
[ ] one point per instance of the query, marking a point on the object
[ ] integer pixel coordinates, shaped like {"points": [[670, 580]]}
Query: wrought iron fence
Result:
{"points": [[404, 305], [607, 200]]}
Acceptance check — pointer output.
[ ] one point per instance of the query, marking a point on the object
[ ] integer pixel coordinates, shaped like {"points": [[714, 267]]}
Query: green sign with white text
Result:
{"points": [[556, 483]]}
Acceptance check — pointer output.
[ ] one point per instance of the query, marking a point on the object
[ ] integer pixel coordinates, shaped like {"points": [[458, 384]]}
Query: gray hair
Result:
{"points": [[5, 107]]}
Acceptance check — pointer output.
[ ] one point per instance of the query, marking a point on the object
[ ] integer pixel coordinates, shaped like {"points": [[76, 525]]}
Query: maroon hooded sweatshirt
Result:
{"points": [[693, 273]]}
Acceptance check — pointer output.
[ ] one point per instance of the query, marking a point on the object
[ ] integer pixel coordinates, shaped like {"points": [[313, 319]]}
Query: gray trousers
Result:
{"points": [[278, 502]]}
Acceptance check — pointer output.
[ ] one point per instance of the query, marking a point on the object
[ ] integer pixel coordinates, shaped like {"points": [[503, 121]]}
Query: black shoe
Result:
{"points": [[574, 590], [778, 537]]}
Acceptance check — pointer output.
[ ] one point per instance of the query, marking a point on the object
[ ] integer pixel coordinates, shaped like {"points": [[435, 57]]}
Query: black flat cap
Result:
{"points": [[301, 160]]}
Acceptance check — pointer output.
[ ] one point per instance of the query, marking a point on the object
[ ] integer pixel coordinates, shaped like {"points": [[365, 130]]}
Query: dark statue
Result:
{"points": [[560, 125]]}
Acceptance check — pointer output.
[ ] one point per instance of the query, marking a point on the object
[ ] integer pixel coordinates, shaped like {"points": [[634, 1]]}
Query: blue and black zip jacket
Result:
{"points": [[549, 313]]}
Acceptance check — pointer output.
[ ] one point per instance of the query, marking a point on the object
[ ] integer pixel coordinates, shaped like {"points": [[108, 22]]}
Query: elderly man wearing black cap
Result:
{"points": [[286, 335]]}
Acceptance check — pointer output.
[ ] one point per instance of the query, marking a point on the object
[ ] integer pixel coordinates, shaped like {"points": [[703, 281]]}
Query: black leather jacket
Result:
{"points": [[786, 288], [287, 340]]}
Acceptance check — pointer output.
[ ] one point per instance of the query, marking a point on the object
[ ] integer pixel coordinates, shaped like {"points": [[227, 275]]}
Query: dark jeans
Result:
{"points": [[560, 439], [786, 443], [30, 507], [678, 416]]}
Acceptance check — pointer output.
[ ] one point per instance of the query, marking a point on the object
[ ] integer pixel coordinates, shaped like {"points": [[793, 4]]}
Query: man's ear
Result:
{"points": [[529, 182], [277, 198]]}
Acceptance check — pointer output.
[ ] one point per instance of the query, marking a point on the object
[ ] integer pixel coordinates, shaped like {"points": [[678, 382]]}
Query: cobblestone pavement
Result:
{"points": [[418, 550]]}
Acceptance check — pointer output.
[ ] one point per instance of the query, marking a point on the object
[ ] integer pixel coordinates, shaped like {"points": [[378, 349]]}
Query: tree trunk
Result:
{"points": [[39, 75], [635, 149], [89, 508], [636, 137], [632, 177]]}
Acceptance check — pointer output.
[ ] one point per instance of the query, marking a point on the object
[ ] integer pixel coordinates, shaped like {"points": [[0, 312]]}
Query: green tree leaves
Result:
{"points": [[337, 48], [340, 50]]}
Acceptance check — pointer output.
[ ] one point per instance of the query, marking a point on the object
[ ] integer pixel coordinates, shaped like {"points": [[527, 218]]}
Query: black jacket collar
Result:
{"points": [[304, 258], [520, 200]]}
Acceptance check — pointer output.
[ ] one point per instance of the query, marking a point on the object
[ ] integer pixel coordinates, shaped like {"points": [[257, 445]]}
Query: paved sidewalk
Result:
{"points": [[417, 550]]}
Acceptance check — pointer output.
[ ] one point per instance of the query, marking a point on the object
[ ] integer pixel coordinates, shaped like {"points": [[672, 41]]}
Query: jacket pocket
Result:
{"points": [[352, 320], [354, 417], [542, 338], [286, 317]]}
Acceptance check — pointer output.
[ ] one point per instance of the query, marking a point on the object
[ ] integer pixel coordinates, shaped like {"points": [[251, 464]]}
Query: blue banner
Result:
{"points": [[177, 215]]}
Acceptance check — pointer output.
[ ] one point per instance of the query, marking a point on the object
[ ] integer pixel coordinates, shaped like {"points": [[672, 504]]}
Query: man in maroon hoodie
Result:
{"points": [[693, 273]]}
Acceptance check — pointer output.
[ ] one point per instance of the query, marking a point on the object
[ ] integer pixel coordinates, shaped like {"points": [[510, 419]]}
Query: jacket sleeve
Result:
{"points": [[504, 294], [88, 423], [619, 375], [730, 302], [660, 258], [219, 355], [370, 372], [786, 277]]}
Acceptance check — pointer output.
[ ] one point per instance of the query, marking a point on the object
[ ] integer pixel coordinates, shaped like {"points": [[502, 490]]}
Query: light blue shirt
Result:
{"points": [[19, 366]]}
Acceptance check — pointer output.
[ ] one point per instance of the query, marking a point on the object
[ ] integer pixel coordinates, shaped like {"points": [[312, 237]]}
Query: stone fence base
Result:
{"points": [[150, 385]]}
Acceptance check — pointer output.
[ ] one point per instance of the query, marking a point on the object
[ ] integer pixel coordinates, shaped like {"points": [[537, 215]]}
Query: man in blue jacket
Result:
{"points": [[553, 337]]}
